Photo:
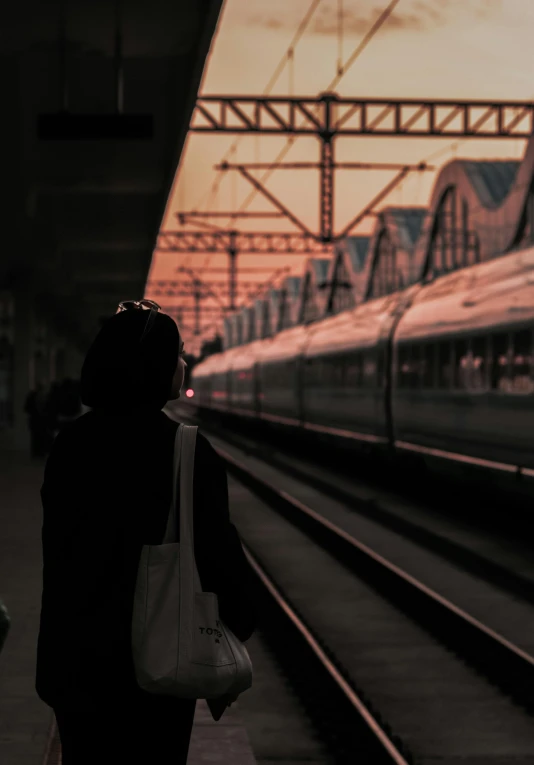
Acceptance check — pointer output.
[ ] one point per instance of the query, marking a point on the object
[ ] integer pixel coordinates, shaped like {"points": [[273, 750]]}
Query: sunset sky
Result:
{"points": [[428, 48]]}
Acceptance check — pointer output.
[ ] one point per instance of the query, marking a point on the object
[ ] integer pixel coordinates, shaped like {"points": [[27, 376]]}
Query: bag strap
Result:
{"points": [[187, 468], [184, 467], [188, 566], [172, 525]]}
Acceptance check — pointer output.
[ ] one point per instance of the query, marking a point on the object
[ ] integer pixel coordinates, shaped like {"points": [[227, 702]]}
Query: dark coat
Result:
{"points": [[107, 492]]}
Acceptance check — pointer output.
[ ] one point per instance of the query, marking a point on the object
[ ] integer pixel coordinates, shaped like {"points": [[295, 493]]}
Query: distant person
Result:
{"points": [[52, 410], [4, 625], [34, 407], [107, 491]]}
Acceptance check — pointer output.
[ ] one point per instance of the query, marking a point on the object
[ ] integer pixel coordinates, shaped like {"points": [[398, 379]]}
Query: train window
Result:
{"points": [[354, 371], [461, 364], [316, 372], [318, 377], [333, 372], [369, 369], [521, 372], [309, 373], [381, 358], [500, 367], [429, 365], [403, 366], [437, 261], [463, 260], [343, 365], [479, 363], [444, 365], [290, 374], [340, 371], [326, 371], [415, 367]]}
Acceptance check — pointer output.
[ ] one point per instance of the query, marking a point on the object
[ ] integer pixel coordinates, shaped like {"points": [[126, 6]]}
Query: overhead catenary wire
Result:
{"points": [[286, 59], [340, 18], [344, 69]]}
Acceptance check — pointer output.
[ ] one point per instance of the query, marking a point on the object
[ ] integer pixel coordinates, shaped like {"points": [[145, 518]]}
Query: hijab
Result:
{"points": [[121, 372]]}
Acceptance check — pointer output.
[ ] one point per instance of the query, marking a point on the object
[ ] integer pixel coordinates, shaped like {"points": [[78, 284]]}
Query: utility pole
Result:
{"points": [[197, 296], [232, 272]]}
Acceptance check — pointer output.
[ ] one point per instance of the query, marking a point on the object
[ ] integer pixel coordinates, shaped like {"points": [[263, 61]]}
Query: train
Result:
{"points": [[441, 370]]}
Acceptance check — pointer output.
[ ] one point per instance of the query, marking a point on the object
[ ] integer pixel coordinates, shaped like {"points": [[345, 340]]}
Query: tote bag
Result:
{"points": [[180, 645]]}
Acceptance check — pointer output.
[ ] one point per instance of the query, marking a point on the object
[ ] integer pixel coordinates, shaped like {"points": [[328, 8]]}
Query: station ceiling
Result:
{"points": [[93, 125]]}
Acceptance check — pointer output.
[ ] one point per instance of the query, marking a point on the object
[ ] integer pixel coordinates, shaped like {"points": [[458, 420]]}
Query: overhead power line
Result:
{"points": [[343, 70], [286, 58]]}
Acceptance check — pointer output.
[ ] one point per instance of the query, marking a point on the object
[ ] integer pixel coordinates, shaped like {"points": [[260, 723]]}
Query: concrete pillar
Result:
{"points": [[23, 366]]}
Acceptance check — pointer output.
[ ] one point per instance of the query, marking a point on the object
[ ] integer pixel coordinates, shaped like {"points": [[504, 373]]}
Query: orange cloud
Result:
{"points": [[417, 15]]}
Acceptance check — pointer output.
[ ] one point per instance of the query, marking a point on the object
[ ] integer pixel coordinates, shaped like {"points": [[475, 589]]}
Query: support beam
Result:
{"points": [[174, 310], [273, 200], [246, 270], [261, 243], [198, 284], [185, 288], [387, 117], [326, 213], [182, 216], [378, 198], [224, 166], [260, 289], [232, 275], [175, 293], [182, 220]]}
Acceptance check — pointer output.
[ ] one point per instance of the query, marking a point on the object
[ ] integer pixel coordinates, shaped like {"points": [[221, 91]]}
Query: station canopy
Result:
{"points": [[96, 101]]}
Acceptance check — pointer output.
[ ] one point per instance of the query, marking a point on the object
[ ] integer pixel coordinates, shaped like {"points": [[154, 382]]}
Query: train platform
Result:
{"points": [[26, 724]]}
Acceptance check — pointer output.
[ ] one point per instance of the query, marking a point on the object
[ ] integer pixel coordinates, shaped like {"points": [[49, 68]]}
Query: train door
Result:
{"points": [[386, 346], [229, 389], [299, 388], [385, 376], [256, 387]]}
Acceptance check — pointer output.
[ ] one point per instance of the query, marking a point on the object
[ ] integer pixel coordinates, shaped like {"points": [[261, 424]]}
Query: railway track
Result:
{"points": [[480, 663], [459, 667], [344, 722], [492, 554], [498, 658]]}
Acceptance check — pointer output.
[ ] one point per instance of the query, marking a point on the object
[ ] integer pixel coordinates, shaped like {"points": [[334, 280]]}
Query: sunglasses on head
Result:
{"points": [[141, 305]]}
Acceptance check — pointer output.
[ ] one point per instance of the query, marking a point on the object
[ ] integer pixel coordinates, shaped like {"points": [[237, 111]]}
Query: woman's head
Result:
{"points": [[179, 374], [135, 362]]}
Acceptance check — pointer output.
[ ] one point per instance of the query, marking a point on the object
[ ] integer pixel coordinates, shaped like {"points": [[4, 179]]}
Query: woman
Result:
{"points": [[107, 492]]}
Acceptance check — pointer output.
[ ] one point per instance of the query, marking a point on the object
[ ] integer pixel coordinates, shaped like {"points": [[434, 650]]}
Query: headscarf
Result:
{"points": [[121, 372]]}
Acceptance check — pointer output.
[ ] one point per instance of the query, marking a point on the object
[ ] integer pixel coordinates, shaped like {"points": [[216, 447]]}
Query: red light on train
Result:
{"points": [[190, 393]]}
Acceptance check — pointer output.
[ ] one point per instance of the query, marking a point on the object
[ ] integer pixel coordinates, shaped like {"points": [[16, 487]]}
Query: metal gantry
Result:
{"points": [[327, 117], [332, 115], [234, 242]]}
